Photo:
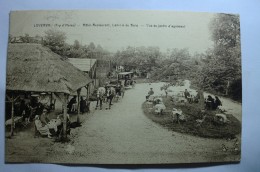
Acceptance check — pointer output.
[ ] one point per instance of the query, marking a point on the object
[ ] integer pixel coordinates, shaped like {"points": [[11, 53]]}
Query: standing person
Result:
{"points": [[166, 92], [27, 112], [87, 105], [150, 92], [71, 102], [118, 90], [83, 105], [186, 93], [110, 95], [122, 90], [100, 94], [22, 107]]}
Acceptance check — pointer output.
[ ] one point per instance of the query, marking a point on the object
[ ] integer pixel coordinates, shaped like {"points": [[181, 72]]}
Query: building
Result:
{"points": [[88, 66]]}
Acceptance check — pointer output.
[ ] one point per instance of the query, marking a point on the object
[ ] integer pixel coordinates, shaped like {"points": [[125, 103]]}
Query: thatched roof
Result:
{"points": [[84, 65], [32, 67]]}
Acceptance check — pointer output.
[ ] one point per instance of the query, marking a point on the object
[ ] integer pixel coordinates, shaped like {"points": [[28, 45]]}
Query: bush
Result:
{"points": [[235, 90]]}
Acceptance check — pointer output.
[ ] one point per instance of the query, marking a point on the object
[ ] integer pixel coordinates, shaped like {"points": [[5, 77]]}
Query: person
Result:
{"points": [[71, 102], [209, 102], [122, 87], [87, 105], [197, 97], [150, 92], [38, 109], [134, 82], [100, 96], [217, 102], [41, 128], [118, 90], [83, 105], [166, 92], [44, 117], [27, 113], [110, 95], [22, 107], [186, 93]]}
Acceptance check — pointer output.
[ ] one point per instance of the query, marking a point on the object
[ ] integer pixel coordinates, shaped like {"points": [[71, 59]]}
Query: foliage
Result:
{"points": [[55, 40], [220, 67], [217, 70], [143, 59]]}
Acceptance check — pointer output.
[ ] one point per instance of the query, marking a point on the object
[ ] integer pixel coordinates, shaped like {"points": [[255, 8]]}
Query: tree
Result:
{"points": [[76, 45], [25, 38], [55, 40], [222, 64]]}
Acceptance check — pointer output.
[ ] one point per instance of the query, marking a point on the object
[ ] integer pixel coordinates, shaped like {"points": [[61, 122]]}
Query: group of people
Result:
{"points": [[49, 127], [211, 103], [191, 98], [29, 107], [107, 94], [84, 105]]}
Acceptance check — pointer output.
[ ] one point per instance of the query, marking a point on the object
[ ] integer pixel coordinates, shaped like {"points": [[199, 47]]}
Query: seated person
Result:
{"points": [[54, 125], [217, 102], [41, 128], [209, 102], [44, 117], [197, 97], [151, 92]]}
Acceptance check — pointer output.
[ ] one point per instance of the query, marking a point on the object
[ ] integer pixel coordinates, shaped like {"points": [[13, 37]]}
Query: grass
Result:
{"points": [[210, 128]]}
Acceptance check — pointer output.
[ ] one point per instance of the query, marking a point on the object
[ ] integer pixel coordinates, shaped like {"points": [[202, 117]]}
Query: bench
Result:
{"points": [[17, 119]]}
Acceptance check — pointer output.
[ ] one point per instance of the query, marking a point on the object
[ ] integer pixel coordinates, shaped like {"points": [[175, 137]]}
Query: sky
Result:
{"points": [[117, 29]]}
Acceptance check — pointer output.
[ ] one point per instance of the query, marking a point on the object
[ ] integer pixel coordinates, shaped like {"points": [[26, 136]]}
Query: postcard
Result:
{"points": [[123, 87]]}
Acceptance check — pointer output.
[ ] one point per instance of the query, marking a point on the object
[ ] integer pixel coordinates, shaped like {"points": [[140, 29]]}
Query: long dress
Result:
{"points": [[43, 129]]}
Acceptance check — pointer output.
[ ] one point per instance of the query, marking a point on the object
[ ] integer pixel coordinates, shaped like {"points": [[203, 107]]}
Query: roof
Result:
{"points": [[82, 64], [32, 67], [125, 73]]}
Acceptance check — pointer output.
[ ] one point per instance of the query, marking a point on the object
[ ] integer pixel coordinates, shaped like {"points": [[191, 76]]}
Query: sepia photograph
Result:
{"points": [[123, 87]]}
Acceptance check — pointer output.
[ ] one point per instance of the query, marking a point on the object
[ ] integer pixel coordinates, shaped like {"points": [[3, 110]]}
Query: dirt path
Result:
{"points": [[125, 135]]}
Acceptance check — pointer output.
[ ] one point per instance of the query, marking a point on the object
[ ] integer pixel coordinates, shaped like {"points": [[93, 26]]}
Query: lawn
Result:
{"points": [[210, 127]]}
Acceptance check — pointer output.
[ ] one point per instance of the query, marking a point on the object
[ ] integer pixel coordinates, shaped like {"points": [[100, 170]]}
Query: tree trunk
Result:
{"points": [[201, 100], [227, 88]]}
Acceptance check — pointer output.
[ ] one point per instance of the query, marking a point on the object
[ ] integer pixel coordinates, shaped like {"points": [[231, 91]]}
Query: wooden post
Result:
{"points": [[65, 116], [51, 100], [12, 116], [78, 108], [88, 92]]}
